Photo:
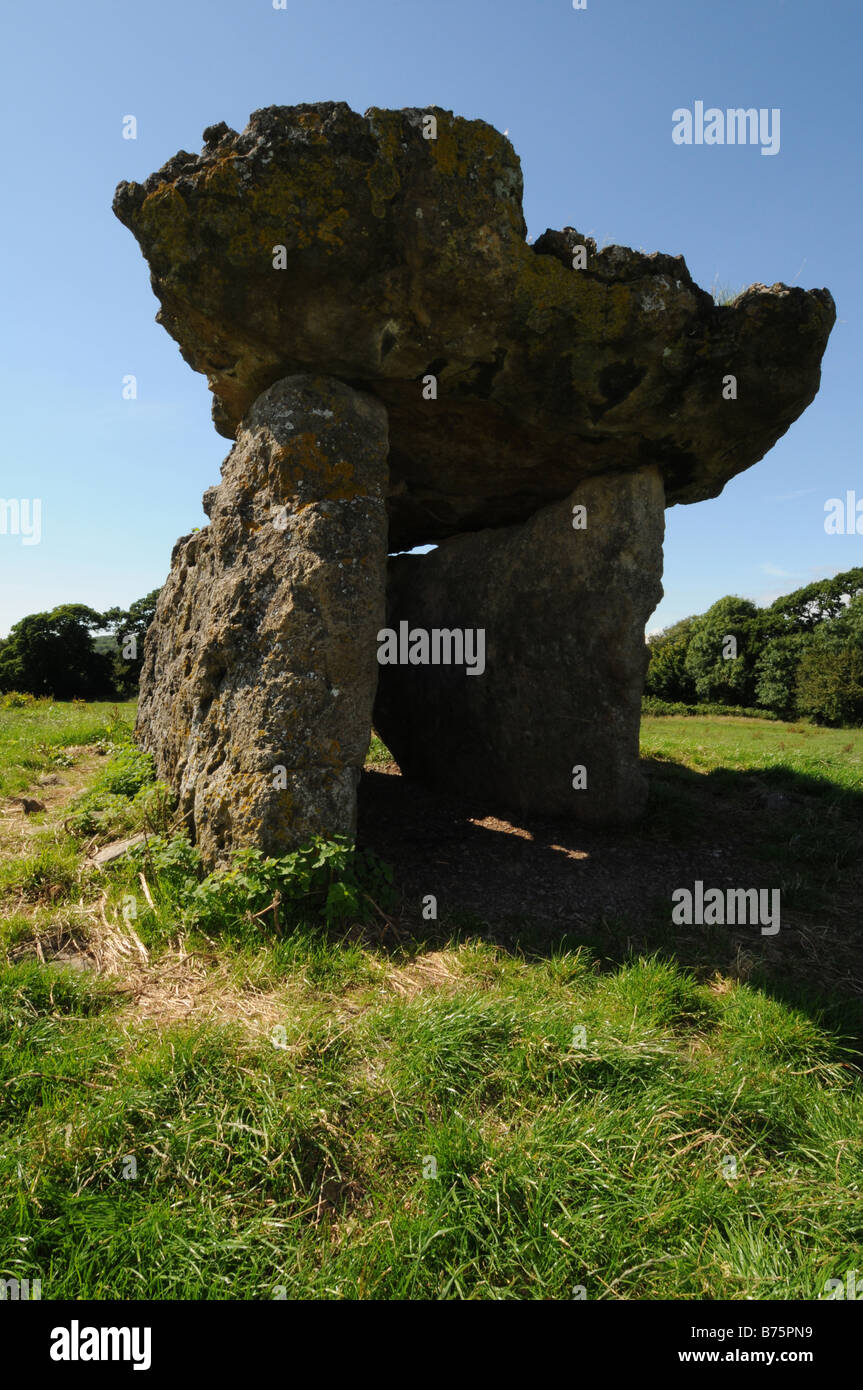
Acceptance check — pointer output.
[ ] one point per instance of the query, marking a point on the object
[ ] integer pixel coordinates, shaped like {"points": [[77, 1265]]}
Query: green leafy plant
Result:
{"points": [[16, 699], [123, 798], [651, 706], [56, 756], [172, 865], [118, 733], [128, 771], [328, 880], [157, 806], [101, 813]]}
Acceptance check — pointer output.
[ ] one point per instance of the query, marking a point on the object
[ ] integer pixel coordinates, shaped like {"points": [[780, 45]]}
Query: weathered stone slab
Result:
{"points": [[260, 668], [117, 849], [563, 611], [321, 240]]}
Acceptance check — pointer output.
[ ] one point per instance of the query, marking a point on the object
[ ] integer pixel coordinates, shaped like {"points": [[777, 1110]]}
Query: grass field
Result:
{"points": [[831, 759], [38, 737], [370, 1111]]}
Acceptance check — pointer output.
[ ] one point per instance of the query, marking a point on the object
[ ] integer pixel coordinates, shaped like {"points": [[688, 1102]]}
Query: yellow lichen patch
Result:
{"points": [[543, 284], [221, 177], [384, 183], [302, 455], [445, 150], [596, 311], [462, 146], [383, 177], [164, 218], [300, 200], [341, 481], [295, 208], [328, 228], [601, 313]]}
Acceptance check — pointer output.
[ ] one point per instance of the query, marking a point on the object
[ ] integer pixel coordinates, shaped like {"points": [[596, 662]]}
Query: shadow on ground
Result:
{"points": [[534, 885]]}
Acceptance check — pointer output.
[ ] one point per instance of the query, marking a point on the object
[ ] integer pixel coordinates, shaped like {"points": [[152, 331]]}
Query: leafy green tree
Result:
{"points": [[53, 654], [825, 599], [667, 677], [847, 626], [128, 629], [776, 673], [720, 657], [693, 660], [830, 683], [830, 676]]}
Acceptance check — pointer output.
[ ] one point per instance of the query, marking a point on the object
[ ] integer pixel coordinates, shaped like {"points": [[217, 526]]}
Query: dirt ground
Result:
{"points": [[610, 888]]}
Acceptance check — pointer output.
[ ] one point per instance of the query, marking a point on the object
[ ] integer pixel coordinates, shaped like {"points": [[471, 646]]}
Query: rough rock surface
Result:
{"points": [[406, 257], [563, 611], [262, 653], [399, 365]]}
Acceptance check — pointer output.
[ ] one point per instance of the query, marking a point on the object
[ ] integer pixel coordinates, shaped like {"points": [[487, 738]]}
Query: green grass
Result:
{"points": [[33, 739], [378, 751], [831, 760], [46, 737], [301, 1167], [48, 874], [794, 792], [441, 1118]]}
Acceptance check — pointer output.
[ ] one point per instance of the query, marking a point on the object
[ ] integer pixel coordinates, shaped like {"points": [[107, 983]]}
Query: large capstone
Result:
{"points": [[391, 252], [260, 667], [524, 655]]}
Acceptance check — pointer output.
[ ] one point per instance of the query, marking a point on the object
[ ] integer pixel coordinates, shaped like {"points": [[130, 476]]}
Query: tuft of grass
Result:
{"points": [[50, 874], [724, 294], [30, 991]]}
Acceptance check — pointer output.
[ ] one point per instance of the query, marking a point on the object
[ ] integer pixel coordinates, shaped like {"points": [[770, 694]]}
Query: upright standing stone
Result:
{"points": [[563, 611], [260, 668]]}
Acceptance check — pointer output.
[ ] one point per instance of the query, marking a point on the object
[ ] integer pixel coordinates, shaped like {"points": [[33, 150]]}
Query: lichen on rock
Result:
{"points": [[260, 669], [405, 256], [398, 365]]}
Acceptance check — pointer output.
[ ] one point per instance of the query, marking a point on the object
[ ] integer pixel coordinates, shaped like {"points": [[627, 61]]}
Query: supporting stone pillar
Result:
{"points": [[260, 669], [563, 611]]}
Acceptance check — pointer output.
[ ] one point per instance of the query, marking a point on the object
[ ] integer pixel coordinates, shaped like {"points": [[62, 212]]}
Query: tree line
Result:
{"points": [[800, 657], [73, 652]]}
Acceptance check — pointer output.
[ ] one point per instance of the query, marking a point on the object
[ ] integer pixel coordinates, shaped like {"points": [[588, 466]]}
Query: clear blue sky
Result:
{"points": [[587, 97]]}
